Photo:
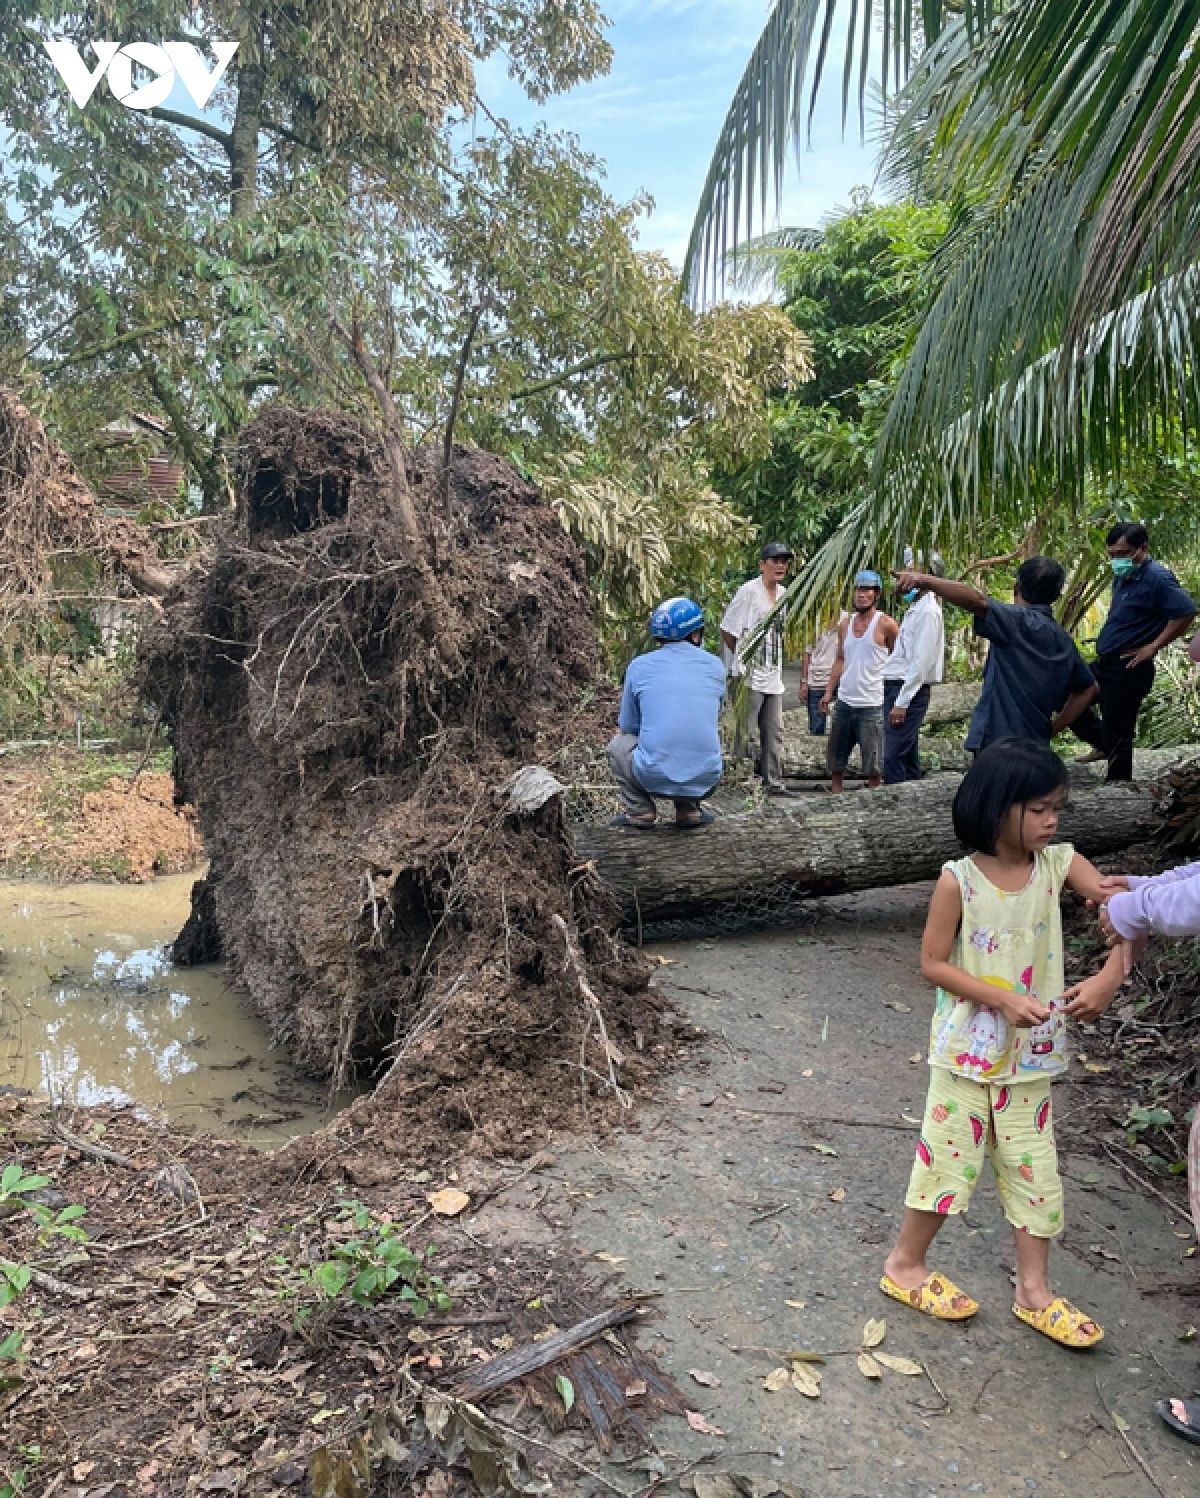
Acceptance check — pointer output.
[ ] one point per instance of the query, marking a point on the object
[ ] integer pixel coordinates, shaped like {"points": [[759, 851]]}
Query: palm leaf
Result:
{"points": [[756, 265], [776, 96]]}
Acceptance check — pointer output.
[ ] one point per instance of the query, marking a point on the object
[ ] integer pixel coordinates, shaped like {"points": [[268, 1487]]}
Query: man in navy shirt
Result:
{"points": [[667, 742], [1035, 682], [1149, 609]]}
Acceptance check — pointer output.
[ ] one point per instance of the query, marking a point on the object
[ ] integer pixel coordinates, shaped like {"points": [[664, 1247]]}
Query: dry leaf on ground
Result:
{"points": [[698, 1423], [448, 1202], [908, 1366], [806, 1381], [702, 1376], [868, 1367], [874, 1332]]}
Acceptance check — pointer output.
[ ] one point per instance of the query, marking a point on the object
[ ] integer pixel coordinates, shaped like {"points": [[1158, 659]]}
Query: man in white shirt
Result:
{"points": [[763, 666], [917, 661], [855, 690]]}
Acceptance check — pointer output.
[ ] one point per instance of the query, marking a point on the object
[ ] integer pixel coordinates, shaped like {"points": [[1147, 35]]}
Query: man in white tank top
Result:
{"points": [[855, 689]]}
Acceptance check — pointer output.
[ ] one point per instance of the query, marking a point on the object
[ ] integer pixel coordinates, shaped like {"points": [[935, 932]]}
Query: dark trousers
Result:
{"points": [[901, 760], [816, 718], [1112, 729]]}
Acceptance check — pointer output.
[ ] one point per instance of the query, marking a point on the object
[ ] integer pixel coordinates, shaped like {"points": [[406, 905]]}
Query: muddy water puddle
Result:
{"points": [[93, 1011]]}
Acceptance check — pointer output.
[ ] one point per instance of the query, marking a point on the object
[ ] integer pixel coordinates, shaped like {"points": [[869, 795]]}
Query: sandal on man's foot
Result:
{"points": [[935, 1296], [638, 824], [701, 819], [1183, 1416], [1063, 1323]]}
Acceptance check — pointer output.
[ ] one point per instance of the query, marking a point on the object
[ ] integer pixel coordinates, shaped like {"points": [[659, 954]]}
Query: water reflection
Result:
{"points": [[92, 1011]]}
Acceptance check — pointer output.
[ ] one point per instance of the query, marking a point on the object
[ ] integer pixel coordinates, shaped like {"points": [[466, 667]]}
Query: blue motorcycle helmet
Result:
{"points": [[676, 619], [868, 579]]}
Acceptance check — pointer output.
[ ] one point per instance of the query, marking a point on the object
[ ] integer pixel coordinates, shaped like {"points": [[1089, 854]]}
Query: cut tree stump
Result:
{"points": [[823, 845]]}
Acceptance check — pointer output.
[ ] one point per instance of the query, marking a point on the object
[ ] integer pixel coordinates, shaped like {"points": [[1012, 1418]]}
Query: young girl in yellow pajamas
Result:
{"points": [[993, 947]]}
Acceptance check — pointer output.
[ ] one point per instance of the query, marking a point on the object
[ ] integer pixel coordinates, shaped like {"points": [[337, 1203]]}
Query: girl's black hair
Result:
{"points": [[1007, 773]]}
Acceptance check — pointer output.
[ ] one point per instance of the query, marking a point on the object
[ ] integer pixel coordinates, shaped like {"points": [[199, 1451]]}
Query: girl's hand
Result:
{"points": [[1022, 1010], [1088, 1000]]}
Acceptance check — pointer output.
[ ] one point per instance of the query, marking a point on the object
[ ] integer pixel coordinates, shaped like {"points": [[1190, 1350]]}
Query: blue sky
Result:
{"points": [[655, 117]]}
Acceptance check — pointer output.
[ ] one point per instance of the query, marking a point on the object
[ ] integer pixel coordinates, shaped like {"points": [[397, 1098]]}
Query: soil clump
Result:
{"points": [[64, 816], [357, 683]]}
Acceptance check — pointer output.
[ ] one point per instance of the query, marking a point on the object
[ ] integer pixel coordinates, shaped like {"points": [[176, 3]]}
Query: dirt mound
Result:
{"points": [[371, 654], [69, 816], [136, 822]]}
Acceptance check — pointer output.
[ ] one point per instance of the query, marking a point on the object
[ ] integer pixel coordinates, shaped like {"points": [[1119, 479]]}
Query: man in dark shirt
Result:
{"points": [[1035, 682], [1149, 609]]}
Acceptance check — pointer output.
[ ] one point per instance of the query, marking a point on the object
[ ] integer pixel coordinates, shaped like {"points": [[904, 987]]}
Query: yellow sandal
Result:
{"points": [[936, 1296], [1063, 1323]]}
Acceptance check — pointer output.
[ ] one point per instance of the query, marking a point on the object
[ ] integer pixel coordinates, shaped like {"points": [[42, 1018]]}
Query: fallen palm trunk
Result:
{"points": [[949, 702], [829, 845], [804, 756]]}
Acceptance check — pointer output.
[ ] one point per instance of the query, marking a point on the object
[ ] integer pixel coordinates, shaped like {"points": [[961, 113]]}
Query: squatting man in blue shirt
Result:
{"points": [[667, 743]]}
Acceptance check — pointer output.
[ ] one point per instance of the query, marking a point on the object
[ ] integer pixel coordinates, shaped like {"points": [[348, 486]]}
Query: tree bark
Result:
{"points": [[243, 141], [829, 845], [949, 702], [804, 757]]}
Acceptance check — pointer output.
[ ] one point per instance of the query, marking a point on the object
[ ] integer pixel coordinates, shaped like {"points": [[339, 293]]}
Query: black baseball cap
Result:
{"points": [[775, 549]]}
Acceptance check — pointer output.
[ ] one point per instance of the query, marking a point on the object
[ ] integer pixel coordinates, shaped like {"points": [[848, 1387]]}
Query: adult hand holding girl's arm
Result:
{"points": [[1087, 880], [941, 928]]}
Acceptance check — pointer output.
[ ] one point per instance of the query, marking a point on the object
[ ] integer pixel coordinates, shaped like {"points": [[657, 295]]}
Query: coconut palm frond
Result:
{"points": [[1105, 96], [755, 266], [775, 98]]}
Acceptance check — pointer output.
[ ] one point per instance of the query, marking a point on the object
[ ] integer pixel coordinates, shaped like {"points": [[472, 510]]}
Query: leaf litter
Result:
{"points": [[230, 1359]]}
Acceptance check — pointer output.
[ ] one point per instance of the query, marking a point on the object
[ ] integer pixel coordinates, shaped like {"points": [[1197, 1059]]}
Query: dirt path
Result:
{"points": [[731, 1209]]}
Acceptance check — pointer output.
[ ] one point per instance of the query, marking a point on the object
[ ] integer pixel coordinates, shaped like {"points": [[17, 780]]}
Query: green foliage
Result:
{"points": [[14, 1480], [853, 289], [1057, 345], [17, 1193], [373, 1263], [18, 1190], [486, 258], [129, 240]]}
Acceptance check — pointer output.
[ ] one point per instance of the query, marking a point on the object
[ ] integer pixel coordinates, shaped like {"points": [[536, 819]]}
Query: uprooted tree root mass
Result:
{"points": [[349, 684]]}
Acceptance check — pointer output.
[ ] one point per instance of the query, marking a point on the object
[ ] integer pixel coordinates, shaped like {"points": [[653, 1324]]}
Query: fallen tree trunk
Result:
{"points": [[830, 845], [804, 756], [949, 702]]}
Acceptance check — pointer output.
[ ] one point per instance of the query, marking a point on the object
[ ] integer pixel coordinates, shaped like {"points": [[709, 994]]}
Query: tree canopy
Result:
{"points": [[1053, 361], [347, 174]]}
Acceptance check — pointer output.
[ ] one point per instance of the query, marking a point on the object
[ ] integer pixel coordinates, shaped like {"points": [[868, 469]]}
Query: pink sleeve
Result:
{"points": [[1168, 905]]}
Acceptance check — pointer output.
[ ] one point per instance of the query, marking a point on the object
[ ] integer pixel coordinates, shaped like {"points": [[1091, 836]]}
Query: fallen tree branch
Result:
{"points": [[510, 1366], [61, 1287], [612, 1055], [96, 1151]]}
